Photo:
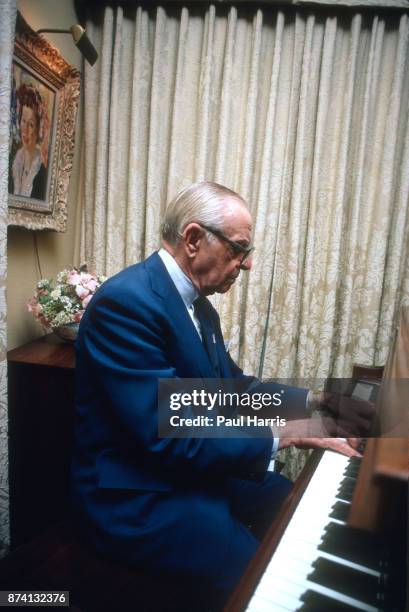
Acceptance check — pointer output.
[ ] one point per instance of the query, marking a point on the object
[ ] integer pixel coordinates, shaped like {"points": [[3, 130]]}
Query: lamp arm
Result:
{"points": [[53, 31]]}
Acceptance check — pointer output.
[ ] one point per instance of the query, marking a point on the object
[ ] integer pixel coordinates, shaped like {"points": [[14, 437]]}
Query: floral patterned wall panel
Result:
{"points": [[7, 21]]}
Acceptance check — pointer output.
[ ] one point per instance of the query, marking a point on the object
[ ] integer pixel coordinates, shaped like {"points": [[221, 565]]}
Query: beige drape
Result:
{"points": [[306, 115], [7, 21]]}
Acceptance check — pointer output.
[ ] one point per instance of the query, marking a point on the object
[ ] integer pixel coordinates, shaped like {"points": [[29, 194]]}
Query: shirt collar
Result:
{"points": [[183, 284]]}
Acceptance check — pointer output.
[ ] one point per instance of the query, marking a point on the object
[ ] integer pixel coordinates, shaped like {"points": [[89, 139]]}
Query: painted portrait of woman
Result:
{"points": [[28, 170], [44, 95]]}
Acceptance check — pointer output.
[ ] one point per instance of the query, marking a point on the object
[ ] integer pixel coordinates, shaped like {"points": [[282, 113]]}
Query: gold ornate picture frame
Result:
{"points": [[44, 102]]}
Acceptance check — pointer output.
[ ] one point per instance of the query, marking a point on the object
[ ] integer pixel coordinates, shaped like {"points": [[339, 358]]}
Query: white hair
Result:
{"points": [[202, 203]]}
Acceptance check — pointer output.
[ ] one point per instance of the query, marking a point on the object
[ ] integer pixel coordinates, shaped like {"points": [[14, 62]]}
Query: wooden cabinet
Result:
{"points": [[41, 412]]}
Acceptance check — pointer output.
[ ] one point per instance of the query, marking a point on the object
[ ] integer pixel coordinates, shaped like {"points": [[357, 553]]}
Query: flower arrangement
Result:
{"points": [[64, 301]]}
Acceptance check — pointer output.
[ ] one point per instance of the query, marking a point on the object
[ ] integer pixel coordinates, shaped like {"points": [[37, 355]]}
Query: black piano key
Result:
{"points": [[346, 486], [345, 496], [356, 461], [348, 482], [316, 602], [352, 470], [347, 581], [354, 545], [345, 490], [340, 511]]}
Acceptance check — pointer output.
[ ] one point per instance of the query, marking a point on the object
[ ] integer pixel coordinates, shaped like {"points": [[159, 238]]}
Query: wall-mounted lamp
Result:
{"points": [[80, 39]]}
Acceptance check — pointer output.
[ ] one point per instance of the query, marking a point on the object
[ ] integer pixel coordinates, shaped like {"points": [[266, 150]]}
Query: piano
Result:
{"points": [[339, 543]]}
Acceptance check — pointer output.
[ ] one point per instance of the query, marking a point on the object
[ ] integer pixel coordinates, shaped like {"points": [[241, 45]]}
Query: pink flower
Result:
{"points": [[31, 304], [34, 307], [86, 301], [81, 291], [91, 284], [73, 278], [85, 277]]}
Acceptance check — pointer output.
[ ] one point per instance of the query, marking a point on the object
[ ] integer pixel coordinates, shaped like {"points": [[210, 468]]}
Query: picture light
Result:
{"points": [[81, 40]]}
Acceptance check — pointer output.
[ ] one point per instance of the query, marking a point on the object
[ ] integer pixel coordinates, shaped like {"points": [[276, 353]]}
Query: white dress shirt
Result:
{"points": [[183, 284]]}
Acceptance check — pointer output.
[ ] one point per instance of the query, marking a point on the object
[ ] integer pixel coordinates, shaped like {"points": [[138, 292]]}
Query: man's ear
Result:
{"points": [[192, 235]]}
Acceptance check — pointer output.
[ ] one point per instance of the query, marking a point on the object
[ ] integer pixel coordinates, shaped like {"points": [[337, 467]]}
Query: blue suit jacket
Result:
{"points": [[136, 330]]}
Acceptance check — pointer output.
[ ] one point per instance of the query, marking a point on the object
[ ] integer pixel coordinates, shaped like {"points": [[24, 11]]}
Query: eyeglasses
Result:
{"points": [[238, 249]]}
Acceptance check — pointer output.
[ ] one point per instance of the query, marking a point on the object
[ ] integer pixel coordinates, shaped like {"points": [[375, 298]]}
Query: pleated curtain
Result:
{"points": [[304, 113]]}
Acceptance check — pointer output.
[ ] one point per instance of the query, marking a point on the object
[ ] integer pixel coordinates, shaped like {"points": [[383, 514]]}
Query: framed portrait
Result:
{"points": [[44, 100]]}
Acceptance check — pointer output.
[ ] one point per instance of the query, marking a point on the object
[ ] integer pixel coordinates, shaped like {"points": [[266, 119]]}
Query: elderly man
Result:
{"points": [[171, 504]]}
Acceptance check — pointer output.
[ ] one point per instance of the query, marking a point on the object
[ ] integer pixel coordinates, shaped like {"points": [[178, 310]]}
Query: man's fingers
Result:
{"points": [[355, 442], [340, 445]]}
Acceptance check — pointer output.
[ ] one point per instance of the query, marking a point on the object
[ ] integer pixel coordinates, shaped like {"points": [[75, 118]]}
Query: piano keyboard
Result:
{"points": [[318, 566]]}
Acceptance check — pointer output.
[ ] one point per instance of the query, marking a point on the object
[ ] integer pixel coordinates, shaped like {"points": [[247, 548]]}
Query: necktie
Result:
{"points": [[207, 333]]}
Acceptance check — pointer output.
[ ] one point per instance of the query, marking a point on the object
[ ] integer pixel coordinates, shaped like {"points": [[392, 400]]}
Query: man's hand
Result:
{"points": [[303, 434], [340, 445]]}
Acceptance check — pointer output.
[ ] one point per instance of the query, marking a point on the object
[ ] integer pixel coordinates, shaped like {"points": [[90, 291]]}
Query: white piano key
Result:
{"points": [[305, 551], [283, 584], [296, 570], [259, 604], [303, 534], [281, 598], [312, 533]]}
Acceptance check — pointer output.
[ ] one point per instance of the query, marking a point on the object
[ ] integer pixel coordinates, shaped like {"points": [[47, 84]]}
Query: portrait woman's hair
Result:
{"points": [[30, 97]]}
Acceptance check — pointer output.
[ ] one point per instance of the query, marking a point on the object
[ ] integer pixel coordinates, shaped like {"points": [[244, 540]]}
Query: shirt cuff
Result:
{"points": [[274, 450], [313, 401]]}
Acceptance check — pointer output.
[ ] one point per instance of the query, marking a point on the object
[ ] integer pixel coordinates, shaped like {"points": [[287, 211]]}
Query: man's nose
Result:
{"points": [[247, 263]]}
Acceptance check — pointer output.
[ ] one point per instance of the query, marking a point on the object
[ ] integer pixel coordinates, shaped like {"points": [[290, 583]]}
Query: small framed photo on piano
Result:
{"points": [[365, 389]]}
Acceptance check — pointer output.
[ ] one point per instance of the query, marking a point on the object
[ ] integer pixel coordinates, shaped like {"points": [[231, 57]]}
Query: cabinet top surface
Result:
{"points": [[47, 351]]}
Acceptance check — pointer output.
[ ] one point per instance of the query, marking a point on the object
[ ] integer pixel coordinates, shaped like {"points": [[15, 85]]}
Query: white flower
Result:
{"points": [[56, 293], [62, 276], [61, 319], [65, 300]]}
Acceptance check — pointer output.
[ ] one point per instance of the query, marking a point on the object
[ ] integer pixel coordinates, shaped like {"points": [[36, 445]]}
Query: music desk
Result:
{"points": [[41, 411]]}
